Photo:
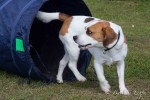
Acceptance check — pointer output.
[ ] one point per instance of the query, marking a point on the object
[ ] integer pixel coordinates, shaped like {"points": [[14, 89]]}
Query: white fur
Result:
{"points": [[71, 48], [116, 55], [78, 28], [47, 17]]}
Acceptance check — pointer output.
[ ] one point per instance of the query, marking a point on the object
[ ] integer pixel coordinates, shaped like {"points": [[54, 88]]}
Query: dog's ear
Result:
{"points": [[109, 36], [88, 19]]}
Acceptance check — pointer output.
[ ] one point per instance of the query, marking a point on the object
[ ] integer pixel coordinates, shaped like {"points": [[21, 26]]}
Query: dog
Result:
{"points": [[104, 40]]}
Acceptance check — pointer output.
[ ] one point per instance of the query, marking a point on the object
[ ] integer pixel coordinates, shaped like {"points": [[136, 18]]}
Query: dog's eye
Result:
{"points": [[89, 32]]}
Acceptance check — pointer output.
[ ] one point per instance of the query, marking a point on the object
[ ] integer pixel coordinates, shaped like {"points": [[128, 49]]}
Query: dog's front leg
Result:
{"points": [[100, 75], [62, 65], [120, 71]]}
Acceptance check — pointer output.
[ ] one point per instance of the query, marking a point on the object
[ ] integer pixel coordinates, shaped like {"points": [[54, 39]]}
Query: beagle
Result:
{"points": [[104, 40]]}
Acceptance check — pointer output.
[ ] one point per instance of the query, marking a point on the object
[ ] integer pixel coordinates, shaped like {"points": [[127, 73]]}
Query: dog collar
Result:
{"points": [[107, 49]]}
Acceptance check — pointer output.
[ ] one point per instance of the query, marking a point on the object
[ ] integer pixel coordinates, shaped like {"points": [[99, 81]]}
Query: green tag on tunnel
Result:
{"points": [[19, 45]]}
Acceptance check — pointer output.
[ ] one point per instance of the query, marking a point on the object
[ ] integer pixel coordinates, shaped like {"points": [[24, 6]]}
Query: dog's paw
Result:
{"points": [[105, 87], [59, 79], [82, 79], [124, 91]]}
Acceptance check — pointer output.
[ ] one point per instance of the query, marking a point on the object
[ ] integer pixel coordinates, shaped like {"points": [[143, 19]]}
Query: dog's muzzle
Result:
{"points": [[83, 47]]}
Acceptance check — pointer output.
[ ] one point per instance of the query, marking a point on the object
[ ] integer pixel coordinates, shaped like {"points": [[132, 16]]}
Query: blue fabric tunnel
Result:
{"points": [[30, 48]]}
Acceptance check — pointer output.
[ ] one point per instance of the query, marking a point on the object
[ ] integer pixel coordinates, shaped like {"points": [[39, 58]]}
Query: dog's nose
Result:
{"points": [[75, 37]]}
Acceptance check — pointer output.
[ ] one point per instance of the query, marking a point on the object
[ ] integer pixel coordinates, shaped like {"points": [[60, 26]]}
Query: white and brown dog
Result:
{"points": [[105, 41]]}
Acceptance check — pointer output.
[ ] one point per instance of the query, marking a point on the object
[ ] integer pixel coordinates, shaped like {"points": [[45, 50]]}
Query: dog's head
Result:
{"points": [[98, 34]]}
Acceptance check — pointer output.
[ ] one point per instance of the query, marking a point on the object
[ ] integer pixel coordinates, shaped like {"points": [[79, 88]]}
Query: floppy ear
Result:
{"points": [[109, 36], [88, 20]]}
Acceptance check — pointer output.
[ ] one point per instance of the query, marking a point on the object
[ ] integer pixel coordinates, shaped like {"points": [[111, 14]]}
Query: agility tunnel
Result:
{"points": [[32, 49]]}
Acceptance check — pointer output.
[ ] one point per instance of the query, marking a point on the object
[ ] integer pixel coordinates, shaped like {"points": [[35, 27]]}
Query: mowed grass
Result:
{"points": [[134, 17]]}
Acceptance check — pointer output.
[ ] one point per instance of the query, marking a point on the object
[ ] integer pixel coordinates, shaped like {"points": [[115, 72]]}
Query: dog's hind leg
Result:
{"points": [[73, 67], [62, 65], [74, 52]]}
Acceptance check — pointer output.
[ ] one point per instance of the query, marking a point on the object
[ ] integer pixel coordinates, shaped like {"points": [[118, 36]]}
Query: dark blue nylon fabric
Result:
{"points": [[16, 17]]}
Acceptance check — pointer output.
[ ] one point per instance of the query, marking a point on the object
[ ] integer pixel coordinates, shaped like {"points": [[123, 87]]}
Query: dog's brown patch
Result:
{"points": [[88, 20], [63, 17], [95, 31], [65, 26], [109, 36], [102, 32]]}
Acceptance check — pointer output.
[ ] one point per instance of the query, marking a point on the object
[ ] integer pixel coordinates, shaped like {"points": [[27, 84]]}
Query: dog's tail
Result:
{"points": [[48, 17]]}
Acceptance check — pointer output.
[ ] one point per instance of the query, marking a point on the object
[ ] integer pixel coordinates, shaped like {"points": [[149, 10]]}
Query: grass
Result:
{"points": [[134, 17]]}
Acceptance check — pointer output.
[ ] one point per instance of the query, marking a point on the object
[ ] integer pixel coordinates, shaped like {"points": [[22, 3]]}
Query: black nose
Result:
{"points": [[75, 38]]}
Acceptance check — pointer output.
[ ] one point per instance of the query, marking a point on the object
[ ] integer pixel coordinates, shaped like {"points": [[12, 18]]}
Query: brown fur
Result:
{"points": [[102, 32], [65, 26], [63, 17], [109, 36], [95, 31], [88, 19]]}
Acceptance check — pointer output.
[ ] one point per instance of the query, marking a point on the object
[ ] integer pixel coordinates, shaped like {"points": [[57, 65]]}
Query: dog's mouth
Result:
{"points": [[83, 47]]}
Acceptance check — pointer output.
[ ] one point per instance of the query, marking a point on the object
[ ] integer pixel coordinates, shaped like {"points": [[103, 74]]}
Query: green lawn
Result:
{"points": [[134, 17]]}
